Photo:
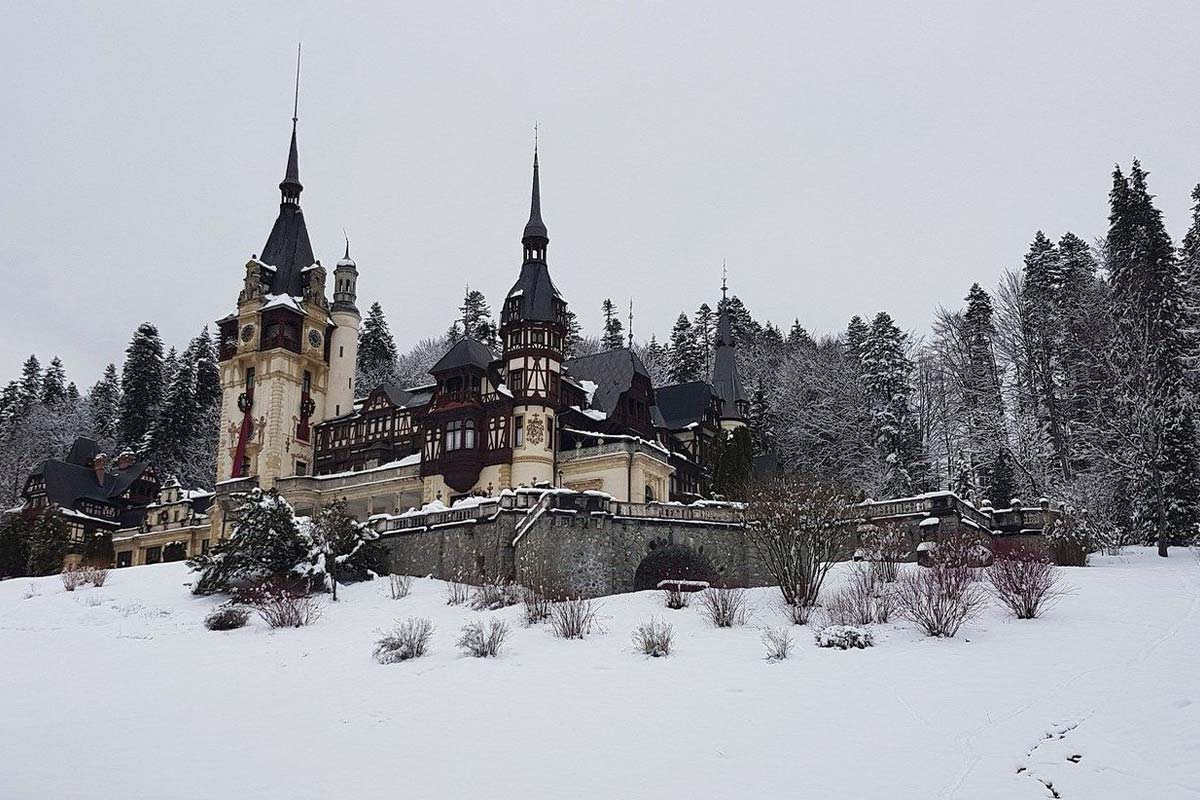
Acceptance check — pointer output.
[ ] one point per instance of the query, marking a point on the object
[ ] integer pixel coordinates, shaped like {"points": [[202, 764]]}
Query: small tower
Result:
{"points": [[726, 382], [343, 345], [533, 329]]}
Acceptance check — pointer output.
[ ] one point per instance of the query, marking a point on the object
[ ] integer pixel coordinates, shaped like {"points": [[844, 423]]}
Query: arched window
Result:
{"points": [[469, 435], [649, 493]]}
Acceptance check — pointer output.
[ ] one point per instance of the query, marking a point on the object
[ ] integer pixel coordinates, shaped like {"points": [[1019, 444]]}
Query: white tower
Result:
{"points": [[343, 343]]}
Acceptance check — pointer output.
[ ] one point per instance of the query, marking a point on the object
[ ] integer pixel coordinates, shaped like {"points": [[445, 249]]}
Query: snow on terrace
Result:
{"points": [[1099, 698]]}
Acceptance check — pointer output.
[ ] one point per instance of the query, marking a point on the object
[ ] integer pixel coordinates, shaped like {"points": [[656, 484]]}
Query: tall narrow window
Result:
{"points": [[518, 431], [469, 435]]}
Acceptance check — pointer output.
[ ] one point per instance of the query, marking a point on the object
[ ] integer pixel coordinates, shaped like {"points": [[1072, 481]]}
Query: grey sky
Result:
{"points": [[842, 157]]}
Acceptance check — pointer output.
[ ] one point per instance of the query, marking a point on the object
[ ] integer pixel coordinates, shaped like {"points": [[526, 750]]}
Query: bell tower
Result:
{"points": [[532, 330], [277, 356]]}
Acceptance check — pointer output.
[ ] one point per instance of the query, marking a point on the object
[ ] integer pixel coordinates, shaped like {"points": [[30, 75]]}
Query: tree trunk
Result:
{"points": [[1162, 518]]}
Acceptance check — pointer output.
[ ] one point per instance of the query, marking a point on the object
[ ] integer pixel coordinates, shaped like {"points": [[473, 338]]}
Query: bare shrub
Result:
{"points": [[941, 597], [675, 598], [800, 614], [227, 618], [573, 618], [281, 604], [884, 547], [535, 604], [798, 531], [1026, 582], [97, 576], [844, 637], [409, 639], [778, 642], [399, 585], [457, 593], [493, 596], [724, 608], [865, 598], [72, 578], [32, 591], [483, 641], [654, 638]]}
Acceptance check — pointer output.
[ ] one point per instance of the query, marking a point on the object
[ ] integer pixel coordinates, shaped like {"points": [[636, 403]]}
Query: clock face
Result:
{"points": [[247, 333], [314, 337]]}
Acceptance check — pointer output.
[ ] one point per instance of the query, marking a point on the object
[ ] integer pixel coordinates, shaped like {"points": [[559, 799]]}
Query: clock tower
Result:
{"points": [[283, 350]]}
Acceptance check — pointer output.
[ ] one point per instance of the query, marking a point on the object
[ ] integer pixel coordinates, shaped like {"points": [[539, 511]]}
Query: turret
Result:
{"points": [[343, 345], [533, 330]]}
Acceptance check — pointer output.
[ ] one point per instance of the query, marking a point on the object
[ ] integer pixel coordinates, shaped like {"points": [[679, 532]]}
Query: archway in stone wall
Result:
{"points": [[666, 562]]}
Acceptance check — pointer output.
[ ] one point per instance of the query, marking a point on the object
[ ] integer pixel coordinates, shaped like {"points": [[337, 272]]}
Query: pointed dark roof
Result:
{"points": [[535, 229], [611, 371], [726, 382], [288, 249], [683, 404], [467, 352]]}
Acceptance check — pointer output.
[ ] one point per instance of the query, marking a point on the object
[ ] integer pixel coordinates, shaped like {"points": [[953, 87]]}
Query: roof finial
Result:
{"points": [[534, 237], [296, 101], [724, 282], [535, 141], [631, 323], [347, 237]]}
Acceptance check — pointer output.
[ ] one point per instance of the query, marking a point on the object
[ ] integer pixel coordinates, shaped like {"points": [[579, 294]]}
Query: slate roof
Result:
{"points": [[536, 292], [68, 482], [682, 404], [288, 249], [535, 228], [726, 382], [612, 371], [467, 352]]}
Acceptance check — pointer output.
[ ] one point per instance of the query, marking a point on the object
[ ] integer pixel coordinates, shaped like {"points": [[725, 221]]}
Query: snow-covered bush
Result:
{"points": [[493, 596], [536, 605], [349, 550], [227, 618], [480, 640], [1026, 582], [798, 531], [654, 638], [884, 548], [674, 598], [281, 604], [399, 585], [941, 597], [778, 642], [573, 618], [457, 593], [96, 576], [409, 639], [724, 608], [844, 637], [72, 578]]}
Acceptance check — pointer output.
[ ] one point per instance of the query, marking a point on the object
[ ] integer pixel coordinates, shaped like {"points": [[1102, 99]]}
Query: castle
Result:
{"points": [[527, 420]]}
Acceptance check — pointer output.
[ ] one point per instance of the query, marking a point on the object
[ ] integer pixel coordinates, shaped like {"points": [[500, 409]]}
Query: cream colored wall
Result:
{"points": [[343, 357], [533, 462], [617, 475], [138, 543]]}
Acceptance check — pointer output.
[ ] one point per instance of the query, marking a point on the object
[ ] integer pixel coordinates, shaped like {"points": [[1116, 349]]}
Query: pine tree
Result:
{"points": [[685, 354], [798, 336], [986, 433], [54, 383], [887, 376], [30, 386], [732, 474], [376, 353], [172, 440], [477, 321], [47, 543], [104, 408], [657, 359], [1154, 420], [856, 338], [1043, 341], [706, 330], [743, 326], [15, 532], [574, 335], [613, 336], [202, 354], [267, 544], [141, 385], [759, 421]]}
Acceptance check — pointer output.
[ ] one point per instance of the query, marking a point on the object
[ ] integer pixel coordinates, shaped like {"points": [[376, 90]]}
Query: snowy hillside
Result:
{"points": [[121, 692]]}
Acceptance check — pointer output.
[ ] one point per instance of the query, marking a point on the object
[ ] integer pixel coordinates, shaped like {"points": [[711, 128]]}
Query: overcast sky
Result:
{"points": [[843, 158]]}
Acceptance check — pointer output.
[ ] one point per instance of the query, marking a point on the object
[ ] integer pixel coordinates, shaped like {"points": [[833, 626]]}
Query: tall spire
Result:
{"points": [[291, 186], [726, 382], [535, 237]]}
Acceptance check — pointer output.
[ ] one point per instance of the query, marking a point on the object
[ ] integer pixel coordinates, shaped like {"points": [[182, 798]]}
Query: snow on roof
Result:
{"points": [[407, 461], [929, 522], [281, 301], [619, 437], [589, 388]]}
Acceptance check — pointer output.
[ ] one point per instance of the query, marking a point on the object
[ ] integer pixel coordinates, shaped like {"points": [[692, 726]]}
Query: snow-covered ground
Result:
{"points": [[120, 692]]}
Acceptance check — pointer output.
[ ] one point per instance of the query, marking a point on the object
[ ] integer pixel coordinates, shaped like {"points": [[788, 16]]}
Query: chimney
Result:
{"points": [[98, 465], [126, 459]]}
